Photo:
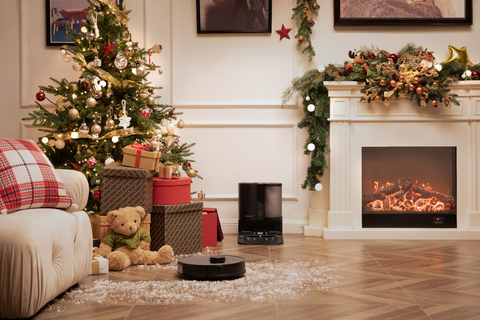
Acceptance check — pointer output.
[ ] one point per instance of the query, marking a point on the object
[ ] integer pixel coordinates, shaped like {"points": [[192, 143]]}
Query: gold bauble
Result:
{"points": [[191, 173], [382, 82], [128, 50], [96, 129], [458, 55], [300, 38], [434, 103], [180, 124], [123, 113], [314, 6], [401, 79], [411, 87], [415, 80], [73, 113], [110, 123], [176, 173], [419, 90], [151, 100], [393, 83], [377, 98]]}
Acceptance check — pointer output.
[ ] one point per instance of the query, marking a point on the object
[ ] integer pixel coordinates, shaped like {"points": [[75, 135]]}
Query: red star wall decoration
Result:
{"points": [[108, 49], [283, 32]]}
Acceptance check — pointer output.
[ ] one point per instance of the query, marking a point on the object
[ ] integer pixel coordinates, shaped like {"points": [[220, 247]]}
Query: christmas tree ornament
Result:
{"points": [[121, 61], [393, 83], [45, 140], [73, 113], [377, 98], [415, 80], [96, 129], [109, 160], [96, 194], [151, 100], [77, 67], [307, 98], [458, 55], [318, 187], [129, 50], [90, 36], [321, 68], [468, 73], [91, 102], [438, 67], [411, 87], [191, 173], [311, 147], [59, 144], [311, 107], [315, 6], [434, 103], [103, 83], [91, 162], [176, 173], [124, 119], [382, 82], [475, 73], [300, 38], [87, 85], [110, 123], [146, 113], [401, 78], [63, 49], [144, 93], [164, 122], [108, 49], [40, 96], [97, 94], [180, 124], [160, 71], [283, 32], [67, 57], [140, 70], [115, 139], [97, 62], [84, 129]]}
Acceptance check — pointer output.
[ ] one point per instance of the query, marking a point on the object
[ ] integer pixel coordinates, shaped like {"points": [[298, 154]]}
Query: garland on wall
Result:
{"points": [[413, 71], [304, 11]]}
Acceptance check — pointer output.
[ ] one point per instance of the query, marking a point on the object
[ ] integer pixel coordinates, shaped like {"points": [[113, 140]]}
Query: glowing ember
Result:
{"points": [[409, 197]]}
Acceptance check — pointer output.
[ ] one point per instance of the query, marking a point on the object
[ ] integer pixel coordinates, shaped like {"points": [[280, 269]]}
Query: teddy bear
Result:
{"points": [[127, 243]]}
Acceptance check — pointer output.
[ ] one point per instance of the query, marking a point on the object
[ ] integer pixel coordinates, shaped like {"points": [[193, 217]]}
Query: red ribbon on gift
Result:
{"points": [[138, 146]]}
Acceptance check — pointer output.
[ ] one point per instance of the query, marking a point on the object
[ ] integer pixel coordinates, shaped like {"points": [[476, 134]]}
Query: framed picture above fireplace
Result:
{"points": [[402, 12]]}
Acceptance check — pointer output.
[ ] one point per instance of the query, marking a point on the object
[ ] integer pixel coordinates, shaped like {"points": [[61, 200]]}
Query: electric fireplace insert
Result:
{"points": [[409, 187]]}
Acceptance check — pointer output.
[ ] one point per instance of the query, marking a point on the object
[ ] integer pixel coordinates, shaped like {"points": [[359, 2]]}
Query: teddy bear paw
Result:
{"points": [[165, 254]]}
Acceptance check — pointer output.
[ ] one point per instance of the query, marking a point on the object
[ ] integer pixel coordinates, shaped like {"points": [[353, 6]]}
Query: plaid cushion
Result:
{"points": [[28, 179]]}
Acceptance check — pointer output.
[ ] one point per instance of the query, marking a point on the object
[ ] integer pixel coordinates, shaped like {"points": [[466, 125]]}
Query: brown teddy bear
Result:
{"points": [[127, 243]]}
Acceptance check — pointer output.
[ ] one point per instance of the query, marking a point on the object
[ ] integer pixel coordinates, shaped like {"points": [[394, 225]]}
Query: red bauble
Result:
{"points": [[40, 96], [475, 73], [394, 57], [170, 113], [91, 162], [97, 194], [146, 113]]}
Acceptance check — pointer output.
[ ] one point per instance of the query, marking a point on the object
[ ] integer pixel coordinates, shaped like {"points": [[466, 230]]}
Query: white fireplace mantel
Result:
{"points": [[354, 124]]}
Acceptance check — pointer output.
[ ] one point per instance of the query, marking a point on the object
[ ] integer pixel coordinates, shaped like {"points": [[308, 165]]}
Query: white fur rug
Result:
{"points": [[263, 281]]}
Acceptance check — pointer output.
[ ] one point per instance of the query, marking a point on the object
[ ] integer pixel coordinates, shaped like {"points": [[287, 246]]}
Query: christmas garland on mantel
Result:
{"points": [[412, 71], [304, 12]]}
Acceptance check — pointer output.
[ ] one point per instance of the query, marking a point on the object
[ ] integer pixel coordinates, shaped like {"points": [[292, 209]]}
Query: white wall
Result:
{"points": [[228, 86]]}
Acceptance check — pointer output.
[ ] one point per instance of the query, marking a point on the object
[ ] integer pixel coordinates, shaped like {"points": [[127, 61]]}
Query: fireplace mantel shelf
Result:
{"points": [[355, 124]]}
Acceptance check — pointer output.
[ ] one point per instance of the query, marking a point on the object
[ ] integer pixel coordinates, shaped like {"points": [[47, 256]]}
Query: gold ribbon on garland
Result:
{"points": [[108, 135], [105, 75]]}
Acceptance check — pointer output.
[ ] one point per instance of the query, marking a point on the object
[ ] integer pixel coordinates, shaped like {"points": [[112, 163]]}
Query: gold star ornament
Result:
{"points": [[458, 55]]}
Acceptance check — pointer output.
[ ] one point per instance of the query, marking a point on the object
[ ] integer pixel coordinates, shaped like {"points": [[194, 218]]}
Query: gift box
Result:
{"points": [[136, 156], [100, 226], [171, 191], [218, 225], [209, 229], [165, 172], [99, 265], [178, 225], [126, 187]]}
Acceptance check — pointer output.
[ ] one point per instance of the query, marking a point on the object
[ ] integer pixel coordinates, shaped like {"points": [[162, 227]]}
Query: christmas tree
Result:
{"points": [[110, 106]]}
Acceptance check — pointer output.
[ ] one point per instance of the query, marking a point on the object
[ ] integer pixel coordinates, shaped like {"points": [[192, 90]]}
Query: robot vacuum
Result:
{"points": [[217, 267]]}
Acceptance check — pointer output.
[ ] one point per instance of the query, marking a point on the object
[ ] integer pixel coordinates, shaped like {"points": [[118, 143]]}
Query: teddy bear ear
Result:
{"points": [[111, 216], [140, 211]]}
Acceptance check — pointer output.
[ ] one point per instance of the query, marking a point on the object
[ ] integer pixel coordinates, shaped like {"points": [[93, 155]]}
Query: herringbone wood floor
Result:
{"points": [[380, 279]]}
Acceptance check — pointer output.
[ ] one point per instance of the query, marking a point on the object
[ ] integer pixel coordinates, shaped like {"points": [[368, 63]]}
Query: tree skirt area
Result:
{"points": [[263, 281]]}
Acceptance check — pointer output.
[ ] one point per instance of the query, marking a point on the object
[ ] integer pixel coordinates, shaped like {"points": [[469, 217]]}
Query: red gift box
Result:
{"points": [[209, 229], [219, 232], [171, 191]]}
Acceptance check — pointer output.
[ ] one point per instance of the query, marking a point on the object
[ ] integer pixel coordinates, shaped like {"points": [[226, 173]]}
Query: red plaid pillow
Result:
{"points": [[28, 179]]}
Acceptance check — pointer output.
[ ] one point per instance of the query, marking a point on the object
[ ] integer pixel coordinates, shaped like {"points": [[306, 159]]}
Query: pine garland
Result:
{"points": [[377, 69], [304, 12]]}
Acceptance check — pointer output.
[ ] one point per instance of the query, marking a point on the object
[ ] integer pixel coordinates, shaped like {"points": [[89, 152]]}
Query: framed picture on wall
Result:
{"points": [[234, 16], [61, 13], [402, 12]]}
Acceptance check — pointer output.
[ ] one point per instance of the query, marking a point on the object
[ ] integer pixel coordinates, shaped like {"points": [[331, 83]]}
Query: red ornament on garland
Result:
{"points": [[283, 32], [40, 96], [475, 73], [91, 162], [108, 49], [96, 194], [394, 57], [170, 113]]}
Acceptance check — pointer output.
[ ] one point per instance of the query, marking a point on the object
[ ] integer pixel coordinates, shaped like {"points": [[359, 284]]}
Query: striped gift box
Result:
{"points": [[126, 187], [178, 225]]}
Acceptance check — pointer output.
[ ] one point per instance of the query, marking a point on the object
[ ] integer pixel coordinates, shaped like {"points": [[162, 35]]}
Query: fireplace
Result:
{"points": [[409, 187], [408, 150]]}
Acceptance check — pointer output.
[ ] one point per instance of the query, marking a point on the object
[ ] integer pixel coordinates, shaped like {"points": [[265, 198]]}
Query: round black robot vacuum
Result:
{"points": [[218, 267]]}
